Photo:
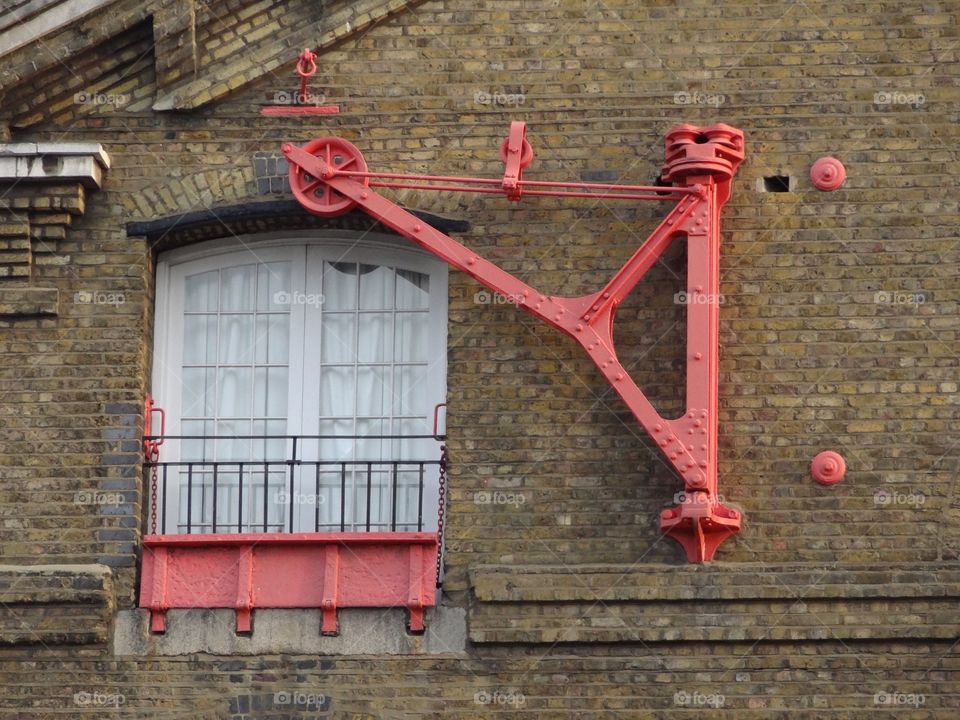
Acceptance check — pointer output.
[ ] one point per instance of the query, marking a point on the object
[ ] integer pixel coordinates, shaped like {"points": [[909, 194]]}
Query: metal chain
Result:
{"points": [[152, 459], [441, 510]]}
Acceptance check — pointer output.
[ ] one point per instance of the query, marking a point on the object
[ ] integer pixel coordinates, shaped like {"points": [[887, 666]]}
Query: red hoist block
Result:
{"points": [[329, 177]]}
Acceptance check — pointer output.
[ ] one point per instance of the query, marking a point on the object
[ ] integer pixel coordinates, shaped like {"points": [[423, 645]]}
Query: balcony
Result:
{"points": [[291, 526]]}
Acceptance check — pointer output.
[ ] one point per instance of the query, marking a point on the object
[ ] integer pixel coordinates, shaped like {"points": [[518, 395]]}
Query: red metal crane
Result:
{"points": [[329, 177]]}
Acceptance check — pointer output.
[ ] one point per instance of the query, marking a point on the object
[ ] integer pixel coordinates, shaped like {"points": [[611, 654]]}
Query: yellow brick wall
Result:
{"points": [[838, 331]]}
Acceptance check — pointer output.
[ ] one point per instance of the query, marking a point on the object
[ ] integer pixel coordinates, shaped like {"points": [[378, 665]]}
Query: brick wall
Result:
{"points": [[838, 331]]}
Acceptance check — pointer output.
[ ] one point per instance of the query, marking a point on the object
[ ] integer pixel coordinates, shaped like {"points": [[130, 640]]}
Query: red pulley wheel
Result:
{"points": [[526, 155], [316, 196]]}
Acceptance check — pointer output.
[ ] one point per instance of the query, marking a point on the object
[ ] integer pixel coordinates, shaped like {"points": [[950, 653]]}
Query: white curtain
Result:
{"points": [[373, 360], [235, 379]]}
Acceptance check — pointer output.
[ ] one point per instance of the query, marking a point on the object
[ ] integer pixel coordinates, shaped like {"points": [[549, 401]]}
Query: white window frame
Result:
{"points": [[336, 246]]}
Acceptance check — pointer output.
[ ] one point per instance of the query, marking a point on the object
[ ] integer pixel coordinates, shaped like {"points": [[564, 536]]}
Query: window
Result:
{"points": [[300, 378]]}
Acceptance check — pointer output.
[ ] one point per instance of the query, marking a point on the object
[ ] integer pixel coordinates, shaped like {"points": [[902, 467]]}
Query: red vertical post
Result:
{"points": [[706, 158]]}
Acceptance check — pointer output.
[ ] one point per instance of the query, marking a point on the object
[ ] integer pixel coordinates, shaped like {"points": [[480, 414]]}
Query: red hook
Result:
{"points": [[307, 63]]}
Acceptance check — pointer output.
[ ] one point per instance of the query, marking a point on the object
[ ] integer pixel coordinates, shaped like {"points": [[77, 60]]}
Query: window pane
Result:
{"points": [[413, 290], [339, 286], [372, 389], [276, 448], [337, 392], [340, 447], [199, 339], [337, 340], [410, 390], [407, 496], [377, 482], [233, 441], [408, 448], [270, 392], [236, 339], [374, 344], [411, 341], [273, 339], [371, 448], [274, 289], [330, 493], [198, 396], [236, 288], [235, 386], [376, 287], [416, 426], [195, 450], [227, 502], [200, 292]]}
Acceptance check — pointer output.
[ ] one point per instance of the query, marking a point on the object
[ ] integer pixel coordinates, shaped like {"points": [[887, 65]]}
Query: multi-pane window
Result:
{"points": [[306, 376]]}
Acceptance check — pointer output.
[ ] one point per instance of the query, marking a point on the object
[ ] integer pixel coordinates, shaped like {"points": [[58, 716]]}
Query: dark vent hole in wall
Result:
{"points": [[776, 183]]}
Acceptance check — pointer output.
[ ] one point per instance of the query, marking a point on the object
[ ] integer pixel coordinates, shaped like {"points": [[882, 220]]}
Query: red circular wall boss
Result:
{"points": [[827, 174], [828, 467]]}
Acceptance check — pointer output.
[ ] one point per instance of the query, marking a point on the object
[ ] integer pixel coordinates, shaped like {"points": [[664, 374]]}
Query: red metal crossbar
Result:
{"points": [[329, 177]]}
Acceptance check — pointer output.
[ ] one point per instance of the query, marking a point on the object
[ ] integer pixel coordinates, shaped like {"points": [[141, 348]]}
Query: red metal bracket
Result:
{"points": [[329, 177], [151, 446], [517, 154]]}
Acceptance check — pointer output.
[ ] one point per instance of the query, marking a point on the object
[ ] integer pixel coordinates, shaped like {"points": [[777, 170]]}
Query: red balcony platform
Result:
{"points": [[293, 570]]}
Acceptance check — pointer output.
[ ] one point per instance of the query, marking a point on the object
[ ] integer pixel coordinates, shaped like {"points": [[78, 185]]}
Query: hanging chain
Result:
{"points": [[152, 458], [441, 510]]}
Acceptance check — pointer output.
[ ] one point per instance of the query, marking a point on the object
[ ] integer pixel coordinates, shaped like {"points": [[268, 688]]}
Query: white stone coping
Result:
{"points": [[82, 162], [52, 148]]}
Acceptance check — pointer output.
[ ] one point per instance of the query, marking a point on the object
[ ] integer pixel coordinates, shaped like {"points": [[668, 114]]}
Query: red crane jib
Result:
{"points": [[329, 177]]}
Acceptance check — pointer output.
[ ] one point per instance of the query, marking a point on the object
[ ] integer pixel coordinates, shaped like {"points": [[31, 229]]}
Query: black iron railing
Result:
{"points": [[396, 489]]}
